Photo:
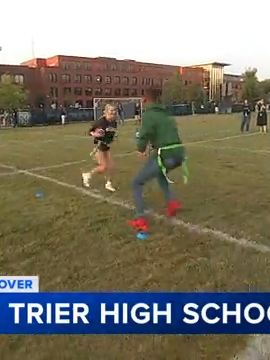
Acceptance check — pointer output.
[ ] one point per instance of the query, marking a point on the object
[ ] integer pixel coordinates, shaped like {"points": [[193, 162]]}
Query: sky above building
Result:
{"points": [[169, 32]]}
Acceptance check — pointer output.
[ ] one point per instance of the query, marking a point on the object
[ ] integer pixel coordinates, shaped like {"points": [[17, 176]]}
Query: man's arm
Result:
{"points": [[145, 133]]}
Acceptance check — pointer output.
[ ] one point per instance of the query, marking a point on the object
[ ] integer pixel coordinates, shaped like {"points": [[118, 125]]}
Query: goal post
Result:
{"points": [[128, 104]]}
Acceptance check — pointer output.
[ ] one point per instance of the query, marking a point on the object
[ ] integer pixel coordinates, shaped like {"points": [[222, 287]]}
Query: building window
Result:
{"points": [[126, 92], [98, 79], [134, 92], [54, 92], [53, 78], [19, 79], [98, 91], [65, 65], [186, 83], [144, 81], [88, 92], [66, 91], [117, 92], [149, 82], [113, 67], [142, 92], [108, 91], [134, 81], [117, 80], [89, 103], [66, 78], [87, 79], [125, 80], [122, 68], [87, 66], [108, 80], [130, 67], [155, 82], [77, 65], [77, 91], [77, 78]]}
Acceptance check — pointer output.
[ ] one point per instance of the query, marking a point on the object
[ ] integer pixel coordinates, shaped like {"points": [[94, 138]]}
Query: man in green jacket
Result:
{"points": [[158, 130]]}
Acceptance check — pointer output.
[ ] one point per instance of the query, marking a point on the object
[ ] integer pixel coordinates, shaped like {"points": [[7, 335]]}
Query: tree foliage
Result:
{"points": [[12, 95], [195, 93], [265, 89], [251, 90], [69, 99], [175, 91]]}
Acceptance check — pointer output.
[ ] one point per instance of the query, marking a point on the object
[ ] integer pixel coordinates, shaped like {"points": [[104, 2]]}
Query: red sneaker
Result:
{"points": [[139, 224], [172, 208]]}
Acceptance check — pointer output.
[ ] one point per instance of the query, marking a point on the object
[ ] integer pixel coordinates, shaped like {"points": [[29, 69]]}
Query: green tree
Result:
{"points": [[265, 88], [12, 95], [195, 93], [174, 90], [69, 99], [39, 100], [251, 87]]}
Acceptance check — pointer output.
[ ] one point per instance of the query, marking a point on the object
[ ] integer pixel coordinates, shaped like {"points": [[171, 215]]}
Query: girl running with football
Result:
{"points": [[103, 131]]}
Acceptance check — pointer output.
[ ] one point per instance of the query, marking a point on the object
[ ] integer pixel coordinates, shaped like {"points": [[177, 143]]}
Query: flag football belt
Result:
{"points": [[163, 168]]}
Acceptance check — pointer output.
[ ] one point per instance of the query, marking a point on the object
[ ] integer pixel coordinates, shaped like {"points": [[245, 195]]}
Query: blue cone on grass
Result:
{"points": [[141, 236], [39, 194]]}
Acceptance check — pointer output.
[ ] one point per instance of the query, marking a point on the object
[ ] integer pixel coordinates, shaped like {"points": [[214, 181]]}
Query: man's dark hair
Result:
{"points": [[152, 95]]}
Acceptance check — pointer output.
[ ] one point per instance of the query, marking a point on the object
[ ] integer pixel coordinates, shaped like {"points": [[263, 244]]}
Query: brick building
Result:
{"points": [[28, 77], [78, 79], [232, 86], [70, 79]]}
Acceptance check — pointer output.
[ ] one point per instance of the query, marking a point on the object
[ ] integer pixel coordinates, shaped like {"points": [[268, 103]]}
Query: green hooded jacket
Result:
{"points": [[159, 129]]}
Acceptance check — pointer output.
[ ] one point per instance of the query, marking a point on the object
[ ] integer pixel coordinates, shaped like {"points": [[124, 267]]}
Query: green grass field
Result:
{"points": [[77, 239]]}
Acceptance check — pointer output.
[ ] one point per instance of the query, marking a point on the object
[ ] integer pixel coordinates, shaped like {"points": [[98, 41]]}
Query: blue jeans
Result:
{"points": [[151, 170], [245, 124]]}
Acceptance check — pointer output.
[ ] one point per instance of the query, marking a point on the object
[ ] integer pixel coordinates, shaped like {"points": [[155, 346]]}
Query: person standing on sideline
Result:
{"points": [[138, 113], [63, 116], [15, 117], [245, 124], [262, 117], [121, 113]]}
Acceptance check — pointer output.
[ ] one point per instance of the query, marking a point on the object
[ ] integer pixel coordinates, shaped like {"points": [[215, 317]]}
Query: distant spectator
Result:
{"points": [[245, 124], [63, 115], [138, 113], [262, 117], [120, 110], [15, 118]]}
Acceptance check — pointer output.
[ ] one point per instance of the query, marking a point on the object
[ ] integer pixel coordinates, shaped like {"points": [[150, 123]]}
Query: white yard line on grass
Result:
{"points": [[70, 137], [75, 162], [254, 151], [221, 139], [9, 173], [258, 347], [55, 166], [40, 168], [219, 235]]}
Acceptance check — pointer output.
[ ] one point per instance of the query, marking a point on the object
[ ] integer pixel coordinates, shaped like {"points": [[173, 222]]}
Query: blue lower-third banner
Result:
{"points": [[135, 313]]}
